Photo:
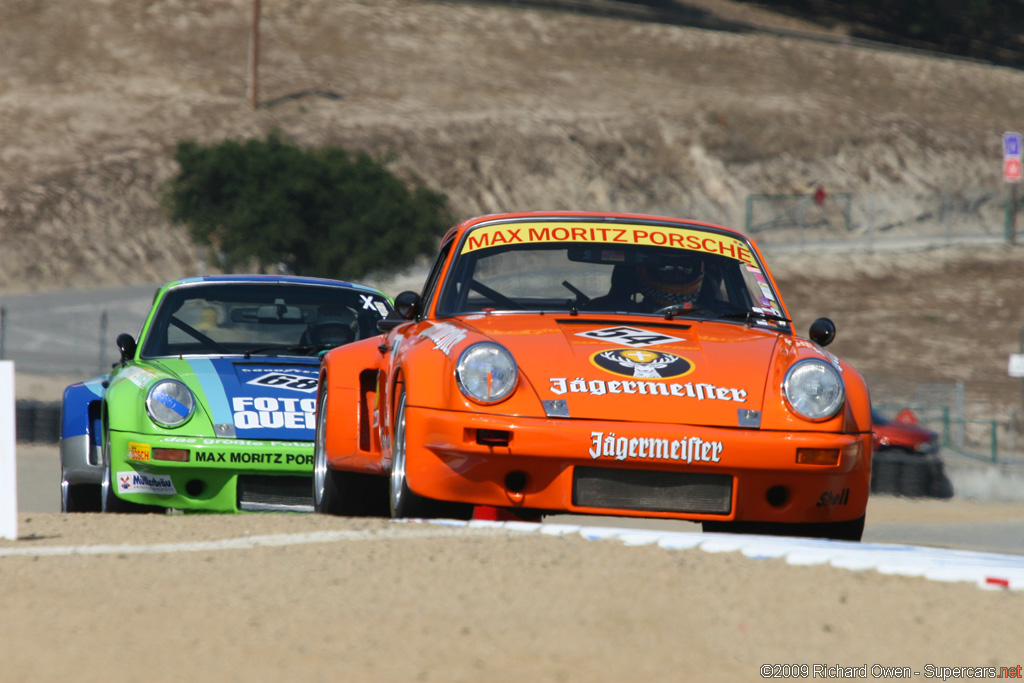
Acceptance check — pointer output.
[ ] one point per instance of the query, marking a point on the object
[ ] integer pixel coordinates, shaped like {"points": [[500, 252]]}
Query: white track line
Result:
{"points": [[243, 543], [986, 570]]}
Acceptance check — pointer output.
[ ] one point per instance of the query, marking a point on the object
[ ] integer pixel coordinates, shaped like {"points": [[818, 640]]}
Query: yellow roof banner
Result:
{"points": [[649, 235]]}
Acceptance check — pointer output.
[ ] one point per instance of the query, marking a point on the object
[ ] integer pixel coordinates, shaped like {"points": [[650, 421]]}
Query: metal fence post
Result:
{"points": [[800, 224], [947, 217], [995, 456], [1013, 432], [103, 336]]}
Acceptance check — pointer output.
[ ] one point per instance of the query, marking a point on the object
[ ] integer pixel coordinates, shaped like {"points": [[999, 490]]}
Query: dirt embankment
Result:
{"points": [[503, 108]]}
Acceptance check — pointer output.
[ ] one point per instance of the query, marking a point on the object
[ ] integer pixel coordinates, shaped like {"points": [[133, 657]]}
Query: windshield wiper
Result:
{"points": [[749, 316], [307, 349], [746, 315]]}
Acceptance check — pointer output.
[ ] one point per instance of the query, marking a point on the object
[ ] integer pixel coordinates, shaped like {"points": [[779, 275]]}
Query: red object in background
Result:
{"points": [[1012, 170], [906, 416], [902, 433], [496, 514], [486, 512], [819, 196]]}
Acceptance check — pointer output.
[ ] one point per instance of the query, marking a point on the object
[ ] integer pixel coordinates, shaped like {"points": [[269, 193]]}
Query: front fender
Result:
{"points": [[349, 375], [854, 418], [81, 431]]}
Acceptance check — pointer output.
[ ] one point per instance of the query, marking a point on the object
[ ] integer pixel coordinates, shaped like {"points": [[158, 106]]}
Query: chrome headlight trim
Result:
{"points": [[486, 373], [813, 389], [169, 403]]}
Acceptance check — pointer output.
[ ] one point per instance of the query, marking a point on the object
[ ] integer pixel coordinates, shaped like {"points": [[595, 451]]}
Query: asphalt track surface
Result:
{"points": [[38, 466]]}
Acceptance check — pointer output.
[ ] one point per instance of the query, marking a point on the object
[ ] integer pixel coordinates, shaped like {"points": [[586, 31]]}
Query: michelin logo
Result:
{"points": [[274, 413]]}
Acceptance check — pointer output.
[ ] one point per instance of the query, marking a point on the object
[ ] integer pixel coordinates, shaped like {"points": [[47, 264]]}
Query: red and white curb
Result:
{"points": [[986, 570]]}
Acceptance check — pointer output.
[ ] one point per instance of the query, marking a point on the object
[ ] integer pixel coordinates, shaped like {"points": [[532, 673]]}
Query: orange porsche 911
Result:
{"points": [[596, 363]]}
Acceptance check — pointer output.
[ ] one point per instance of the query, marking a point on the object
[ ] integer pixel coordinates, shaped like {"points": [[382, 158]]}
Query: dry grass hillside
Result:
{"points": [[505, 107]]}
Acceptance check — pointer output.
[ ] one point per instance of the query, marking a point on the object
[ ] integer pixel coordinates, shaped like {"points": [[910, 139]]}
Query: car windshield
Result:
{"points": [[260, 318], [525, 267]]}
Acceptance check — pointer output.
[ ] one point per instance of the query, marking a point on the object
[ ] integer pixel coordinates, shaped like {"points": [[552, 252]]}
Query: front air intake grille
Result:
{"points": [[262, 493], [652, 491]]}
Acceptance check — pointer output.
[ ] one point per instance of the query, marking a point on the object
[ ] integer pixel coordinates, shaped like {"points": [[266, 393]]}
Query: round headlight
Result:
{"points": [[170, 403], [486, 373], [814, 389]]}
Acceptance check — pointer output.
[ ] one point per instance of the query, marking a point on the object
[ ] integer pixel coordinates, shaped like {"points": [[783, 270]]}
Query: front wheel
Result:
{"points": [[342, 493], [80, 497], [405, 503]]}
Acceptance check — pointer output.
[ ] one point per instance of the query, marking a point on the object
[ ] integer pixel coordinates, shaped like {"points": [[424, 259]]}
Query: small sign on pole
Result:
{"points": [[1012, 175], [1012, 157]]}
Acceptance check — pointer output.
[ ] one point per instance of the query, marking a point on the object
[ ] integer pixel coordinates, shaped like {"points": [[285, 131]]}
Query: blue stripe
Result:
{"points": [[177, 406], [216, 398]]}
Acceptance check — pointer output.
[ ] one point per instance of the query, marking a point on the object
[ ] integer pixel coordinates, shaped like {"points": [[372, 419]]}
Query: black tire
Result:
{"points": [[942, 487], [885, 473], [852, 530], [352, 494], [915, 476], [80, 497], [403, 502], [47, 423], [25, 421]]}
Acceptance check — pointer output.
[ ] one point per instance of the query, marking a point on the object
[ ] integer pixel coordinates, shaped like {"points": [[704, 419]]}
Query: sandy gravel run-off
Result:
{"points": [[390, 601]]}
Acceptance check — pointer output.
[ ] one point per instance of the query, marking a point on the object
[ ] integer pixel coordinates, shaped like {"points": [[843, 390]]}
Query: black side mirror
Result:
{"points": [[823, 331], [126, 343], [408, 305]]}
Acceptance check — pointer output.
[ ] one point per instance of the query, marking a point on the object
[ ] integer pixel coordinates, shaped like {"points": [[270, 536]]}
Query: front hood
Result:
{"points": [[651, 370], [252, 399]]}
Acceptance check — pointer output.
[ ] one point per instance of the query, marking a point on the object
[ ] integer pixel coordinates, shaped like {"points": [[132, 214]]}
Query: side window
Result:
{"points": [[434, 279]]}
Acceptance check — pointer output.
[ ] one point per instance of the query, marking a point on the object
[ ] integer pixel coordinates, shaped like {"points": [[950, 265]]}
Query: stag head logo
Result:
{"points": [[642, 363]]}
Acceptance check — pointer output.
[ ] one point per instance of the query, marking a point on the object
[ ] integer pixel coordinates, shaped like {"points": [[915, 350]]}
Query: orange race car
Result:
{"points": [[594, 363]]}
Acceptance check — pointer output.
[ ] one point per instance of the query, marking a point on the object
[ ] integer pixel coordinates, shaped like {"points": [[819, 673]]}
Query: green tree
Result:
{"points": [[322, 212]]}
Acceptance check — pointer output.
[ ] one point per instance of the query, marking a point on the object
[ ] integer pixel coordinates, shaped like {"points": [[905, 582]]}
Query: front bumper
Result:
{"points": [[219, 475], [552, 465]]}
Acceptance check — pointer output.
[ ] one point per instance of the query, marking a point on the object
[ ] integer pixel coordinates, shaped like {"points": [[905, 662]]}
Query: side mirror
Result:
{"points": [[408, 305], [126, 343], [823, 331]]}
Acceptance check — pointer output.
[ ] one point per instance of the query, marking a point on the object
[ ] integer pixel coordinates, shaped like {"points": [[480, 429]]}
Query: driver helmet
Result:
{"points": [[672, 280], [334, 327]]}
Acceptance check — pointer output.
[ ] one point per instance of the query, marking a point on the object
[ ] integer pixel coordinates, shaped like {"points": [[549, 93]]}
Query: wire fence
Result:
{"points": [[822, 221], [70, 333], [942, 409]]}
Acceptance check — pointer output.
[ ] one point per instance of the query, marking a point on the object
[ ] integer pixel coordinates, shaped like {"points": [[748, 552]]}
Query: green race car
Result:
{"points": [[212, 407]]}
